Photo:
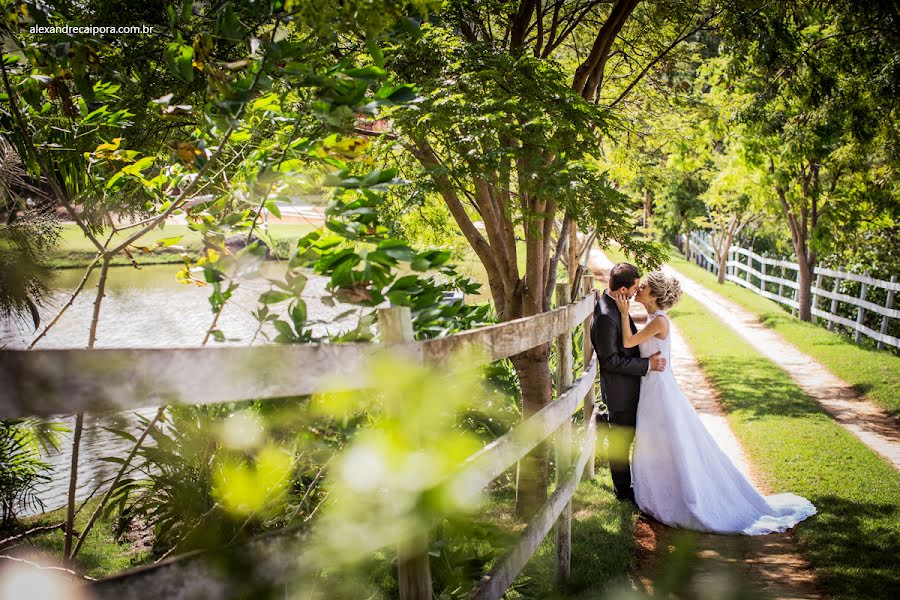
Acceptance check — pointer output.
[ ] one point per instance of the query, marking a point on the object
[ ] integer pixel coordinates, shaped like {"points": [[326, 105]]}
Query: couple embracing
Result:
{"points": [[680, 475]]}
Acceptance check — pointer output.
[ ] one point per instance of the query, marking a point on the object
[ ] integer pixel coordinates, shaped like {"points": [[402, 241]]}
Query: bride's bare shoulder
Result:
{"points": [[663, 327]]}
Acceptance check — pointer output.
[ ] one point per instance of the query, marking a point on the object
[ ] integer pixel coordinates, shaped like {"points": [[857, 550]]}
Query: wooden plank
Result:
{"points": [[770, 296], [52, 382], [488, 463], [888, 285], [860, 311], [588, 353], [885, 311], [563, 445], [834, 301], [888, 306], [495, 584], [506, 339], [413, 562], [875, 335], [277, 557]]}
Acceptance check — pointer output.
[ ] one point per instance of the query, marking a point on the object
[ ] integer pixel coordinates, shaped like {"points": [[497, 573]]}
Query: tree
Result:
{"points": [[820, 82], [512, 138]]}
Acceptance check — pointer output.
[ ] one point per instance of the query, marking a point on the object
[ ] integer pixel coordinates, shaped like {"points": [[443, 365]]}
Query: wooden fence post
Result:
{"points": [[884, 319], [413, 566], [834, 302], [762, 270], [815, 298], [587, 286], [563, 445], [860, 311], [795, 295], [781, 283], [749, 265]]}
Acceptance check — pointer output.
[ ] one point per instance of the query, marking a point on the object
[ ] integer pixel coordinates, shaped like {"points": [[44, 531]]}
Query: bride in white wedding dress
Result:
{"points": [[681, 475]]}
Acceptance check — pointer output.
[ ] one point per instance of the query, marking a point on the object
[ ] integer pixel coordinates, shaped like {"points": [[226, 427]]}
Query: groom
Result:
{"points": [[621, 370]]}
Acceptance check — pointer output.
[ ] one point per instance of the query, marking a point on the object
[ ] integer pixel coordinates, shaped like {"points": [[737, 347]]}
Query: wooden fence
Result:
{"points": [[48, 382], [777, 280]]}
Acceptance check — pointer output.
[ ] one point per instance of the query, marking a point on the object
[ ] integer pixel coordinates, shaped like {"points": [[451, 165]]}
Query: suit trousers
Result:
{"points": [[621, 436]]}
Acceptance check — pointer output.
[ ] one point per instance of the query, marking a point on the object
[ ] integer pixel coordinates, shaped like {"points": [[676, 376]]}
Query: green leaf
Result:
{"points": [[180, 58], [298, 314], [274, 297], [272, 207], [218, 335], [137, 167], [169, 241], [376, 53]]}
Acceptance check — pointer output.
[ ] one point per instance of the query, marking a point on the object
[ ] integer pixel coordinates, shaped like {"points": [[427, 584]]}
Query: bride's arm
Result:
{"points": [[630, 340]]}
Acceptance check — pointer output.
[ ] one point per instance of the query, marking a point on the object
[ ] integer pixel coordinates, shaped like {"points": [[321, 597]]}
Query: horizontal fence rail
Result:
{"points": [[50, 382], [741, 269]]}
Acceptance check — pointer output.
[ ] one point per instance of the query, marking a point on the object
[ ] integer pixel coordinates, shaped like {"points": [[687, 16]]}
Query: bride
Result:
{"points": [[681, 476]]}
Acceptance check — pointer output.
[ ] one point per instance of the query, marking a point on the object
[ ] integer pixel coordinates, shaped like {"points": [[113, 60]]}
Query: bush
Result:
{"points": [[22, 442]]}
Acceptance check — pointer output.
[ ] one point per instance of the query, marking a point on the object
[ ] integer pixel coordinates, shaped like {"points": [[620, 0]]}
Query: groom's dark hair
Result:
{"points": [[623, 275]]}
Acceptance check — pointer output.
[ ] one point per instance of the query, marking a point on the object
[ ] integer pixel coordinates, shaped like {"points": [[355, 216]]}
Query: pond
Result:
{"points": [[146, 308]]}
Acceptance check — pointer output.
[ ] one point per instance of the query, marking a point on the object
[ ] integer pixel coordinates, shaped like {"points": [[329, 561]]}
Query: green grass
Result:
{"points": [[101, 554], [602, 541], [76, 250], [873, 373], [854, 541]]}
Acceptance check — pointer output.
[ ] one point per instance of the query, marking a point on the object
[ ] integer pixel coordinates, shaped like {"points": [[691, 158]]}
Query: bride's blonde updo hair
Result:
{"points": [[666, 290]]}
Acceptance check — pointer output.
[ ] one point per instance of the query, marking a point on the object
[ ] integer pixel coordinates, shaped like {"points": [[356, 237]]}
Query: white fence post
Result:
{"points": [[795, 310], [781, 283], [834, 302], [762, 271], [860, 311], [815, 297], [884, 319], [749, 265]]}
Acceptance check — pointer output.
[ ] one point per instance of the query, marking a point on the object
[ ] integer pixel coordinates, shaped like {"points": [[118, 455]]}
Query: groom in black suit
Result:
{"points": [[621, 370]]}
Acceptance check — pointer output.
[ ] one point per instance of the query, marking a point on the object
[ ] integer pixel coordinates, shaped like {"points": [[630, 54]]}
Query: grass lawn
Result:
{"points": [[75, 250], [876, 374], [101, 554], [602, 542], [854, 541]]}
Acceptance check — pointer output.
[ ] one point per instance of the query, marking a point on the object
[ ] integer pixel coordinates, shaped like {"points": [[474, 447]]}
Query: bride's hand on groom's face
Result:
{"points": [[622, 301]]}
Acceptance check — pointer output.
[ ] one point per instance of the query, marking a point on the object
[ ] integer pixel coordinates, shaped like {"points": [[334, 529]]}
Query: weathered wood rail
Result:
{"points": [[49, 382], [741, 268]]}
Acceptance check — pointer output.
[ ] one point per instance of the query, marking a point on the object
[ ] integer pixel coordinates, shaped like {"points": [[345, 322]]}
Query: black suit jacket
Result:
{"points": [[621, 368]]}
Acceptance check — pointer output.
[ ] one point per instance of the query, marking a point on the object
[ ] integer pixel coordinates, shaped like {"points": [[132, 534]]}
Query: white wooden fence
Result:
{"points": [[47, 382], [777, 280]]}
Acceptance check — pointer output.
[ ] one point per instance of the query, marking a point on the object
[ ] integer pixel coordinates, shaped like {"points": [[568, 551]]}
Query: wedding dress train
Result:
{"points": [[681, 475]]}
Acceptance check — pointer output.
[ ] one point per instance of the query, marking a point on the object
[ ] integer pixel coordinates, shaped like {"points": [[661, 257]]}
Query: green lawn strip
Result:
{"points": [[602, 546], [75, 250], [854, 541], [101, 554], [602, 542], [876, 374]]}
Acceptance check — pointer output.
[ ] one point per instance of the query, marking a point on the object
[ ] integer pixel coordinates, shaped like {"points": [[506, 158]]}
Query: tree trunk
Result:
{"points": [[804, 281], [532, 477]]}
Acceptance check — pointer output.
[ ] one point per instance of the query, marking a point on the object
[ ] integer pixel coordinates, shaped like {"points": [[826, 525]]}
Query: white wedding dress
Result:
{"points": [[683, 478]]}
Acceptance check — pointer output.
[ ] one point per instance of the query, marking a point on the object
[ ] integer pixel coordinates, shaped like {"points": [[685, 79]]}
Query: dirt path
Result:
{"points": [[875, 428], [768, 565]]}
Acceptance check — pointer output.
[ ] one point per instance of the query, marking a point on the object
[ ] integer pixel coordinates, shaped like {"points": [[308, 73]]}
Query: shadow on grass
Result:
{"points": [[856, 551], [750, 386]]}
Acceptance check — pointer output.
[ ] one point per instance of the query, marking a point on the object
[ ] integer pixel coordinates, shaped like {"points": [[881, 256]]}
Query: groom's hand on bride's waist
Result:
{"points": [[657, 362]]}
